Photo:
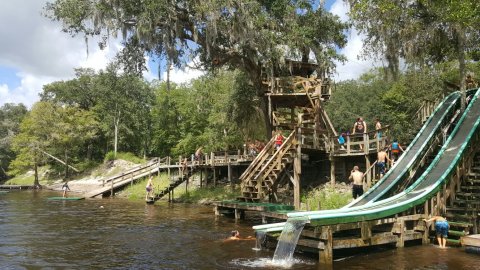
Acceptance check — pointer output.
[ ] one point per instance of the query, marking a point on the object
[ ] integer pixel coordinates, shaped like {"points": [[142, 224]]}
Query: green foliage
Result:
{"points": [[11, 116], [327, 197], [110, 156], [219, 193], [394, 103], [248, 35], [137, 190]]}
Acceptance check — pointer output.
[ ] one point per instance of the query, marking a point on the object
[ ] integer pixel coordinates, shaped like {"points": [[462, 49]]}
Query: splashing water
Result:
{"points": [[260, 240], [287, 242]]}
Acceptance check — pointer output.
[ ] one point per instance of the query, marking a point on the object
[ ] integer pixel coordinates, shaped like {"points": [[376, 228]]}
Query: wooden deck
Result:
{"points": [[238, 208], [17, 187], [471, 240]]}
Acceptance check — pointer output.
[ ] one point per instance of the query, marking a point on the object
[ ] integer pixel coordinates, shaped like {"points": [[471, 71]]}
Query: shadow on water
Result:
{"points": [[37, 233]]}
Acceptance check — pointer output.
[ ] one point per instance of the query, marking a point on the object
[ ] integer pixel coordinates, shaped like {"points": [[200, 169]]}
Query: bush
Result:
{"points": [[109, 156], [125, 156], [327, 197]]}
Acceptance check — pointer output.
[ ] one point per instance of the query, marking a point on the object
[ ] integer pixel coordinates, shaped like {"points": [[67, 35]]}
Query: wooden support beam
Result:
{"points": [[332, 170], [369, 175], [400, 226], [326, 254]]}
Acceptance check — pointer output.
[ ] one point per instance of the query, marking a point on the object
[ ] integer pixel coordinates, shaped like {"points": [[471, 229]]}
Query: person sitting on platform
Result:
{"points": [[357, 177], [441, 228]]}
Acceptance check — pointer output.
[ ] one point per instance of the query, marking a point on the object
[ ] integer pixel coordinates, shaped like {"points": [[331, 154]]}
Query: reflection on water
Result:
{"points": [[116, 234]]}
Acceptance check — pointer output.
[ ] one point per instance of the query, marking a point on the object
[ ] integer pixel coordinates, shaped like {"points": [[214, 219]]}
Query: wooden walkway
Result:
{"points": [[17, 187], [238, 209], [212, 160]]}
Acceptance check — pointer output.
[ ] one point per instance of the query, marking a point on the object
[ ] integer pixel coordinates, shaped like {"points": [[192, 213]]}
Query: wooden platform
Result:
{"points": [[471, 240], [238, 208], [66, 198], [16, 187]]}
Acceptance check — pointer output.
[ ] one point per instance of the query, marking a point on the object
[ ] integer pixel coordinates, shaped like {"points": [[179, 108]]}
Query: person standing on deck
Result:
{"points": [[378, 127], [382, 159], [149, 188], [359, 128], [65, 188], [441, 228], [395, 147], [357, 177], [279, 140], [198, 155]]}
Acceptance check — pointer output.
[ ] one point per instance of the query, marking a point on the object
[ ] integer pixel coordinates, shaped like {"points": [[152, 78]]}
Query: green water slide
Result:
{"points": [[426, 186], [421, 190], [413, 154]]}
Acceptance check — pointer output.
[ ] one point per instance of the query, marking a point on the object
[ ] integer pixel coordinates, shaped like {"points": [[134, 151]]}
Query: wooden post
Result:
{"points": [[169, 162], [111, 191], [401, 235], [201, 177], [229, 172], [297, 171], [214, 177], [369, 175], [366, 230], [326, 255], [332, 170]]}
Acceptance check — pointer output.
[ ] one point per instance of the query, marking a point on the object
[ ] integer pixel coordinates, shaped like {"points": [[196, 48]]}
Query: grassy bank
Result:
{"points": [[327, 197], [194, 194]]}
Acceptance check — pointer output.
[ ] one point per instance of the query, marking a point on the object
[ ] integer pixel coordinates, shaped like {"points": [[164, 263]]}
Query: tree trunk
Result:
{"points": [[461, 64], [115, 143], [66, 164], [36, 182]]}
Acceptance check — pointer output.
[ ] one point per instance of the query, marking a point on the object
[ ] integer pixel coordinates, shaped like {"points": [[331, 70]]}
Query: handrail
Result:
{"points": [[288, 142], [260, 155]]}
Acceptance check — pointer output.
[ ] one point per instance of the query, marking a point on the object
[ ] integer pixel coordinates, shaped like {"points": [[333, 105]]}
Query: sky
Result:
{"points": [[34, 52]]}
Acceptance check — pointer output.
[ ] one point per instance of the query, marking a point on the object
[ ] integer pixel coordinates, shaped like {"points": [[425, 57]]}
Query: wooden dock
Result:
{"points": [[16, 187], [471, 240], [238, 209]]}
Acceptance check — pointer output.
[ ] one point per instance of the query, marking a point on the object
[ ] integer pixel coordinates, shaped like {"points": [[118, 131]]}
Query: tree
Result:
{"points": [[254, 35], [423, 32], [51, 130], [123, 103], [11, 115]]}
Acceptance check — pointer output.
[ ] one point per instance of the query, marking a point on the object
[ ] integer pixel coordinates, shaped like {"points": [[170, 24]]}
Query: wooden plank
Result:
{"points": [[471, 240]]}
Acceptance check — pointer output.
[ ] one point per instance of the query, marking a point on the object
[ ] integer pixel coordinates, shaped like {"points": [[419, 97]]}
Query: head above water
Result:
{"points": [[235, 233]]}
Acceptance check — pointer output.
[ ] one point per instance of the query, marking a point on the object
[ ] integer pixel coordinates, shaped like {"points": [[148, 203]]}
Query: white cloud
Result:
{"points": [[36, 47], [354, 66], [183, 76]]}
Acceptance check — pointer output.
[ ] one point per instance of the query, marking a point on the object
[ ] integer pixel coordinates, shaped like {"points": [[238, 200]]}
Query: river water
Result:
{"points": [[36, 233]]}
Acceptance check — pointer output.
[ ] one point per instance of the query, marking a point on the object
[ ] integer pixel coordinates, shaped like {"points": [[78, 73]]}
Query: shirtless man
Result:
{"points": [[382, 159], [357, 177], [441, 228]]}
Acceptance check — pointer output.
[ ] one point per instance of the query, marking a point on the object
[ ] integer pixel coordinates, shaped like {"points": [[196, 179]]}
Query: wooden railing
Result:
{"points": [[360, 144], [297, 84], [425, 110]]}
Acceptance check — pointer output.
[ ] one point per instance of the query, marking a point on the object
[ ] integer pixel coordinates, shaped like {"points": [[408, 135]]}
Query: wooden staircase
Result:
{"points": [[177, 182], [258, 182], [463, 212]]}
